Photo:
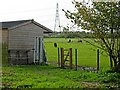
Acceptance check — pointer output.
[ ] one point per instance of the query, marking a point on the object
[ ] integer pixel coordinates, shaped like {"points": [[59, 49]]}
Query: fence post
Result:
{"points": [[58, 57], [70, 57], [62, 58], [97, 59], [76, 59]]}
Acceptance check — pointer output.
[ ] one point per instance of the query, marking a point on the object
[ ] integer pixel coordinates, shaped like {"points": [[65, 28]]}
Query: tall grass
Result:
{"points": [[38, 76]]}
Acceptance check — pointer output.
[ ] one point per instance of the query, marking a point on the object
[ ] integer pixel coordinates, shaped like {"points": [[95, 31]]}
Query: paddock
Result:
{"points": [[86, 53]]}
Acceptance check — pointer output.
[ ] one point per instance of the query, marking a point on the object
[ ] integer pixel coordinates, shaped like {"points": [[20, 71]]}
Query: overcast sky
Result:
{"points": [[42, 11]]}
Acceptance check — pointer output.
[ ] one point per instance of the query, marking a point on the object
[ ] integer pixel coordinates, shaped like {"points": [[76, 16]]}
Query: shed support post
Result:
{"points": [[35, 50], [9, 57], [27, 56], [41, 49]]}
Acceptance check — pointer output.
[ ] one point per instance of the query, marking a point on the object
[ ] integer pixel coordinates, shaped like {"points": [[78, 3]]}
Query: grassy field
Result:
{"points": [[50, 76], [38, 76], [86, 52]]}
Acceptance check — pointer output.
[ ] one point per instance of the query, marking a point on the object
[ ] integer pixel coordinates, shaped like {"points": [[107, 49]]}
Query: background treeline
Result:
{"points": [[70, 34]]}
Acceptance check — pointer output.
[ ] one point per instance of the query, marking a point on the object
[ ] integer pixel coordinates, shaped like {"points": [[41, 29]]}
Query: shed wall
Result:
{"points": [[22, 38]]}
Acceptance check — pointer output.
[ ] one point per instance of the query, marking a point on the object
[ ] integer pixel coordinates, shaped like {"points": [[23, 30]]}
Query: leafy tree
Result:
{"points": [[66, 29], [103, 20]]}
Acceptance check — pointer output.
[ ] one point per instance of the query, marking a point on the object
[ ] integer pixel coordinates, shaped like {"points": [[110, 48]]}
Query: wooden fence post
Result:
{"points": [[75, 59], [58, 57], [62, 58], [98, 59], [70, 58]]}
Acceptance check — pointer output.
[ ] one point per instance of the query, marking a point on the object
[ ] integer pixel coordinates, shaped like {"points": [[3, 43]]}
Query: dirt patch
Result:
{"points": [[78, 67], [87, 68], [7, 84], [90, 84]]}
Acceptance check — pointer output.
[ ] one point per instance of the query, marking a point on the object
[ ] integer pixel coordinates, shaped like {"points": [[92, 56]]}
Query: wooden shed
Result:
{"points": [[24, 41]]}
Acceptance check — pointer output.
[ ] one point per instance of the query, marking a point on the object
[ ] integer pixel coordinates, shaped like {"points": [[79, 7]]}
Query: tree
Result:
{"points": [[66, 29], [103, 20]]}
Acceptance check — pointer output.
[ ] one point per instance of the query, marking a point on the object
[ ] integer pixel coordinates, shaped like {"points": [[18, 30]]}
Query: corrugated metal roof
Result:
{"points": [[10, 24]]}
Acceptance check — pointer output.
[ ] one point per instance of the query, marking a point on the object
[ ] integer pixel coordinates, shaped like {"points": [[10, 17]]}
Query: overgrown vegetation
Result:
{"points": [[103, 20], [38, 76]]}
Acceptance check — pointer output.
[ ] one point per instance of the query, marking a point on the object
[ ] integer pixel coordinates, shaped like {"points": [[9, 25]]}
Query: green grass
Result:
{"points": [[50, 76], [38, 76], [86, 52]]}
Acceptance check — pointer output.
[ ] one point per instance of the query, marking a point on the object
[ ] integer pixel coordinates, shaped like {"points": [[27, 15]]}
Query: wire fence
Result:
{"points": [[86, 54]]}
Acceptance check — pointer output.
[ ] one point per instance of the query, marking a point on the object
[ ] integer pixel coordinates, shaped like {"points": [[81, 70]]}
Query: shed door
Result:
{"points": [[38, 50]]}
